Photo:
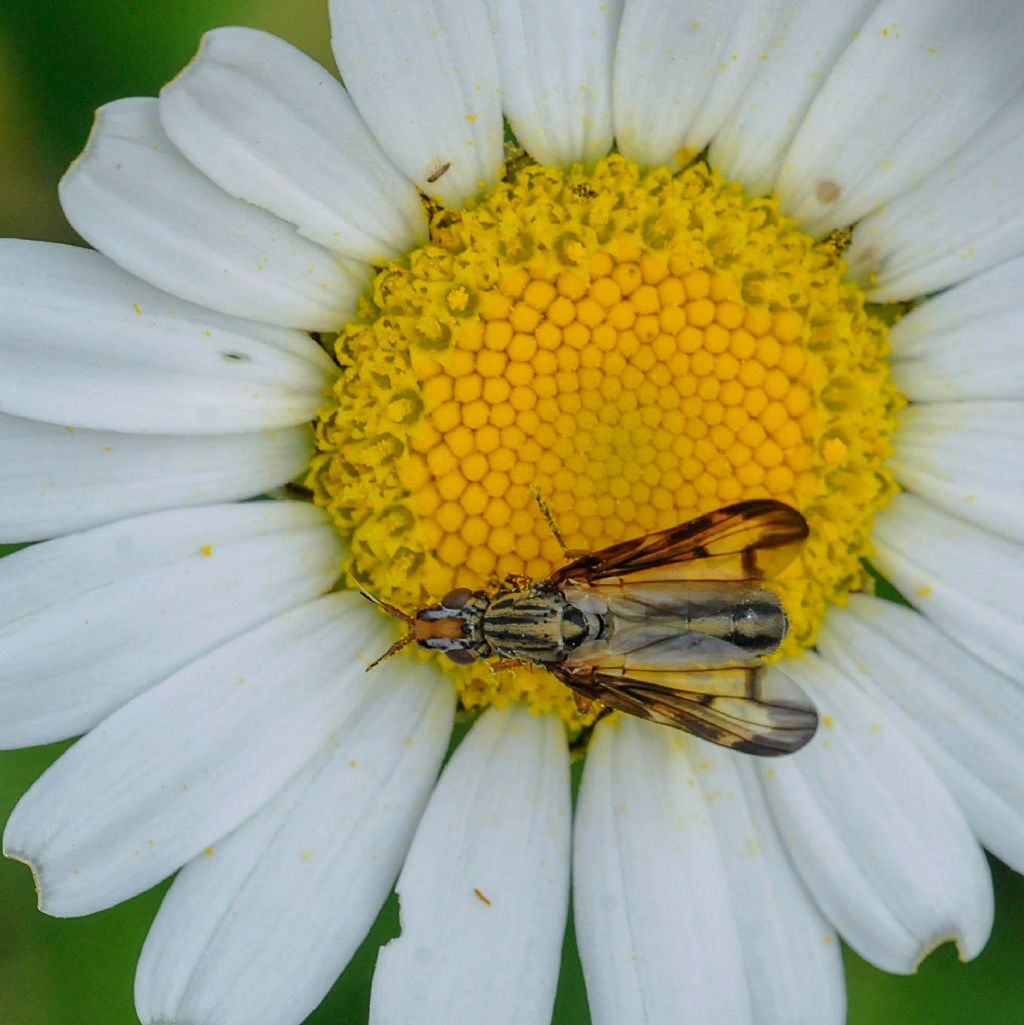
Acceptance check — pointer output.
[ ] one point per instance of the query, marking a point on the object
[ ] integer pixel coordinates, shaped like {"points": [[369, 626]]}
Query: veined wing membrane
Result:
{"points": [[745, 541], [750, 710], [661, 646]]}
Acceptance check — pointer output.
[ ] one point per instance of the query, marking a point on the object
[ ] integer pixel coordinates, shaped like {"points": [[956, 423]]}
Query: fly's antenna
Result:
{"points": [[391, 610], [397, 646]]}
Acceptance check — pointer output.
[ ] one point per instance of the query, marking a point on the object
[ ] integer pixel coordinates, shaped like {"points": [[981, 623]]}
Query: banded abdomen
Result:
{"points": [[691, 625]]}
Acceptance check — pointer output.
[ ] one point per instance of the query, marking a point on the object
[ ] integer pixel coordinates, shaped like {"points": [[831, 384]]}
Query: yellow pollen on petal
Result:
{"points": [[636, 347]]}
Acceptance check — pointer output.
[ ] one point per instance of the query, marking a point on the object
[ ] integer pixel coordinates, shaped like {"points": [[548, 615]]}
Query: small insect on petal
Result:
{"points": [[441, 170]]}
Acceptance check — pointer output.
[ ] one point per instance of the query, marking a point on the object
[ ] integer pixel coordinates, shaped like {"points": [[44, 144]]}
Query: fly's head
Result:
{"points": [[454, 626]]}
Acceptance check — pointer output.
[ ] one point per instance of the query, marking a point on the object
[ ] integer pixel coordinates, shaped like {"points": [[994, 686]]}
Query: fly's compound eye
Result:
{"points": [[461, 657], [457, 599]]}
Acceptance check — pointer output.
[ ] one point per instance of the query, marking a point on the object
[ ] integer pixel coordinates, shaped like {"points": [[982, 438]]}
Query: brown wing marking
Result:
{"points": [[745, 541], [743, 709]]}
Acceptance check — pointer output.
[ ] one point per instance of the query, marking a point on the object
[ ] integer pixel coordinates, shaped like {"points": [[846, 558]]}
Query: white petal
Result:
{"points": [[878, 839], [556, 73], [269, 125], [960, 221], [137, 600], [965, 342], [85, 344], [964, 579], [964, 717], [654, 922], [259, 929], [188, 761], [681, 67], [966, 458], [136, 199], [424, 76], [61, 479], [916, 83], [808, 40], [791, 955], [485, 888]]}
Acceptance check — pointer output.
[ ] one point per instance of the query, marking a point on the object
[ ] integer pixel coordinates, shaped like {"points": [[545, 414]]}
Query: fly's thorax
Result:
{"points": [[455, 626], [538, 625]]}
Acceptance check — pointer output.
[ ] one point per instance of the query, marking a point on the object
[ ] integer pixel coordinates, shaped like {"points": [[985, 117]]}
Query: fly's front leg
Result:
{"points": [[516, 582], [509, 582]]}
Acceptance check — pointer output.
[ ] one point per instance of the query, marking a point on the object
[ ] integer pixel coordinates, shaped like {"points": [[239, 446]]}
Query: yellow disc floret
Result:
{"points": [[636, 348]]}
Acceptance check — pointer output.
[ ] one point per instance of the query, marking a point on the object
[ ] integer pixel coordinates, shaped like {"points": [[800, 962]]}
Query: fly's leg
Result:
{"points": [[506, 663], [509, 582], [516, 582], [583, 705], [549, 519]]}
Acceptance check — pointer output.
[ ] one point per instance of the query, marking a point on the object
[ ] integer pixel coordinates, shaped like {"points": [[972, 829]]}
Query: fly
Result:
{"points": [[673, 627]]}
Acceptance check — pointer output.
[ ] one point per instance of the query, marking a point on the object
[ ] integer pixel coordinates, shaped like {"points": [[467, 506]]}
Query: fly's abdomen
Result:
{"points": [[699, 623], [755, 626], [760, 625]]}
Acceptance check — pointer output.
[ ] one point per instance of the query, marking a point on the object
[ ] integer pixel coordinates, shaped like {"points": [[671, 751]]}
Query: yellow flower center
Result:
{"points": [[637, 348]]}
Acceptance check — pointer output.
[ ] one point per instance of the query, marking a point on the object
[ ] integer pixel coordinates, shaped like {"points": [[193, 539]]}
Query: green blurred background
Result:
{"points": [[59, 60]]}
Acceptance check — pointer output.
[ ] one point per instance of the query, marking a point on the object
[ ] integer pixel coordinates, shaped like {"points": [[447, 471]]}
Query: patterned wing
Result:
{"points": [[752, 710], [746, 541]]}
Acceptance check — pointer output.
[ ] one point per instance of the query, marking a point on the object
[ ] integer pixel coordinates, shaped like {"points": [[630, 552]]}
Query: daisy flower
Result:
{"points": [[646, 259]]}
